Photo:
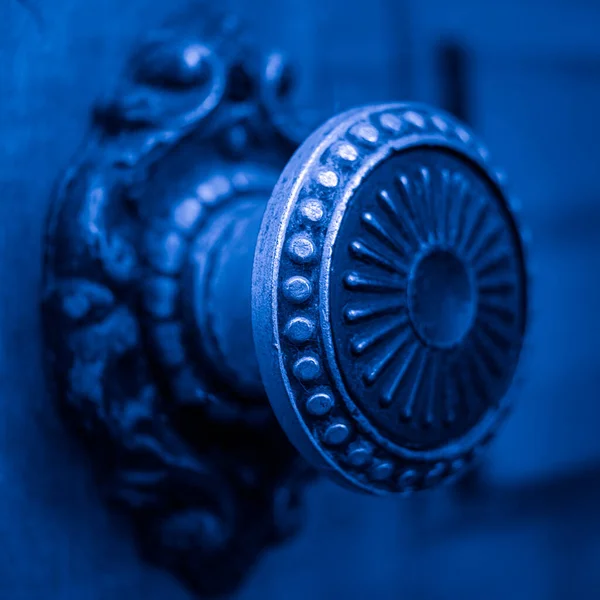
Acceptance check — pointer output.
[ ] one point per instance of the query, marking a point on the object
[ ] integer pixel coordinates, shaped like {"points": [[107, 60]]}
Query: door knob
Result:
{"points": [[388, 298], [213, 282]]}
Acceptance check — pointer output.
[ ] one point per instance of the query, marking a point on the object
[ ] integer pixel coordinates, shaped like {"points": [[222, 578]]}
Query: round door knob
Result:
{"points": [[389, 298]]}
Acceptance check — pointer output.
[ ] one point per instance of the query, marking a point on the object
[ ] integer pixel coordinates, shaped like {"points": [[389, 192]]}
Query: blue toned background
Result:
{"points": [[526, 75]]}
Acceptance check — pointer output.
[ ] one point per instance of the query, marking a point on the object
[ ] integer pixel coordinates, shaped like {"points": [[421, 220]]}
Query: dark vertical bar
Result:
{"points": [[453, 70]]}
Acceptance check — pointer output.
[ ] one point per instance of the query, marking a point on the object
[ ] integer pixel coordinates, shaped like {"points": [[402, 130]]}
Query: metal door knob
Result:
{"points": [[369, 291], [389, 298]]}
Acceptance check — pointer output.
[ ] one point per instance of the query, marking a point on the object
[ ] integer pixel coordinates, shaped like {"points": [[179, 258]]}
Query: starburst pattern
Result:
{"points": [[428, 375]]}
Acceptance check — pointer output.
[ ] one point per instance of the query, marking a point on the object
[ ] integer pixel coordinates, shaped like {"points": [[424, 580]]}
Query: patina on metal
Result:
{"points": [[200, 305]]}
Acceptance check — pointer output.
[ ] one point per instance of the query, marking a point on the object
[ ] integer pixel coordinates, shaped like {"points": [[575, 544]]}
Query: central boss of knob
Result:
{"points": [[389, 298], [441, 298]]}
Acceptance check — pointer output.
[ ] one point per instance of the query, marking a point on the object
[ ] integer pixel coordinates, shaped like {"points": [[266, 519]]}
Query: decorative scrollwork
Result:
{"points": [[193, 466]]}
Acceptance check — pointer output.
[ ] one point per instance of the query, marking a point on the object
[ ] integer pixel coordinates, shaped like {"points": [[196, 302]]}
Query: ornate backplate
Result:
{"points": [[198, 128]]}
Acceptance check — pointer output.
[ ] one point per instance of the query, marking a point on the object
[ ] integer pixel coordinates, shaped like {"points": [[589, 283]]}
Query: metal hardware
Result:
{"points": [[374, 291]]}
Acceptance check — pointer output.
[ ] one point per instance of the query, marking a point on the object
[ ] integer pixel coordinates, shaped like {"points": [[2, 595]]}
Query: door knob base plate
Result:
{"points": [[197, 127]]}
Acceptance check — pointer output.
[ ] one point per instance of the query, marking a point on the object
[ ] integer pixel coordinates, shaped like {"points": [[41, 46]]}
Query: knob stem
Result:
{"points": [[219, 294]]}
